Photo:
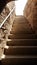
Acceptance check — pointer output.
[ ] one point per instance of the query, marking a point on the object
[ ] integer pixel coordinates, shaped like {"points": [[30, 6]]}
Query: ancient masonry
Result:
{"points": [[30, 12], [5, 30]]}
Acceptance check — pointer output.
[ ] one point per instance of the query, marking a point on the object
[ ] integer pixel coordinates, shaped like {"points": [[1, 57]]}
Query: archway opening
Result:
{"points": [[20, 4]]}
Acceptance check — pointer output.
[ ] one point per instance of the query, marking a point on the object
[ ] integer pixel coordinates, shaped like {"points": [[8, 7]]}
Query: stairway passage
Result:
{"points": [[22, 45]]}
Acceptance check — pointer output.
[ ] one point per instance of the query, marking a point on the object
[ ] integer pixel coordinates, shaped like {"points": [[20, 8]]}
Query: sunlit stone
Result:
{"points": [[3, 56], [6, 47]]}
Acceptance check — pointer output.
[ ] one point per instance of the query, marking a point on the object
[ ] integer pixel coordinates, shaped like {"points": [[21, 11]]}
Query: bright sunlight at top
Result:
{"points": [[20, 4]]}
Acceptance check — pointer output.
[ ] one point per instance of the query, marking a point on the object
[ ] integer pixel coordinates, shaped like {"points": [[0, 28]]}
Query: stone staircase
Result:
{"points": [[22, 44]]}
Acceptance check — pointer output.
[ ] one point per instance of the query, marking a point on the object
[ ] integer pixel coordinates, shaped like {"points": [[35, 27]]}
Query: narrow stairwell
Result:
{"points": [[22, 47]]}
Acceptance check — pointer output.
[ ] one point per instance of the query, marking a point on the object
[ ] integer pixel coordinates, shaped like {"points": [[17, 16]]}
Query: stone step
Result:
{"points": [[19, 31], [22, 36], [22, 42], [20, 20], [21, 50], [21, 28], [19, 60], [21, 25]]}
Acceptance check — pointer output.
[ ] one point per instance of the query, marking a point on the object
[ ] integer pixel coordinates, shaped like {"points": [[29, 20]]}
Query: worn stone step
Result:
{"points": [[21, 50], [22, 36], [22, 42], [21, 32], [20, 20], [21, 25], [21, 28], [19, 60]]}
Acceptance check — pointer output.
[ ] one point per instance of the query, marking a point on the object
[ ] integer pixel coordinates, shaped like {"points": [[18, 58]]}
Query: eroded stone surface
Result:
{"points": [[5, 30], [30, 12], [7, 25]]}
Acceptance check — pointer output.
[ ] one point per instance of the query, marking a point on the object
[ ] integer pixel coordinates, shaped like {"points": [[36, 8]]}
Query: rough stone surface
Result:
{"points": [[30, 12], [5, 30], [6, 27], [2, 17]]}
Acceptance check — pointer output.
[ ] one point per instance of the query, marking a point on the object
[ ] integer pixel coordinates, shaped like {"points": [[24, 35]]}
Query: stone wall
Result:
{"points": [[30, 12], [5, 30]]}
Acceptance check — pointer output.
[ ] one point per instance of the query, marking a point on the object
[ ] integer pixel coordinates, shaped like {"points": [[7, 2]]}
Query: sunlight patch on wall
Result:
{"points": [[3, 56], [20, 4]]}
